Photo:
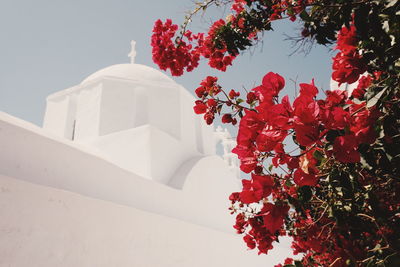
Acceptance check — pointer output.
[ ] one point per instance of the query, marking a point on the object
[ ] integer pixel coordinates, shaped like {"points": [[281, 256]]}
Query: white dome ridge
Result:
{"points": [[130, 72]]}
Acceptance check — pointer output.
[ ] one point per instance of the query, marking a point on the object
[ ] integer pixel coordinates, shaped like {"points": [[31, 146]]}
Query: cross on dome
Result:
{"points": [[132, 54]]}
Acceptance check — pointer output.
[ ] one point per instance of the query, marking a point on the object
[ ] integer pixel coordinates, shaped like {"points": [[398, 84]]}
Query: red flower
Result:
{"points": [[301, 178], [269, 138], [335, 97], [274, 216], [336, 118], [218, 57], [200, 107], [209, 81], [362, 123], [348, 64], [233, 94], [363, 83], [201, 92], [169, 55], [209, 117], [306, 112], [366, 135], [248, 159], [347, 67], [293, 163], [249, 127], [238, 6], [272, 84], [307, 135], [251, 244], [288, 261], [345, 149], [308, 89], [240, 224], [346, 39], [211, 103], [226, 118], [234, 197], [277, 116], [259, 187], [251, 97]]}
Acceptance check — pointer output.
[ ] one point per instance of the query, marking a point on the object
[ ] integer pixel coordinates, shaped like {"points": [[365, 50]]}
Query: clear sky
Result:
{"points": [[50, 45]]}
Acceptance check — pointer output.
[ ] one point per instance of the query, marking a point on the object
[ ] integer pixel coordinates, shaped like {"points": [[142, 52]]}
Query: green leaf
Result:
{"points": [[305, 193], [318, 155], [304, 16], [372, 101], [239, 100], [393, 260], [270, 167], [390, 3]]}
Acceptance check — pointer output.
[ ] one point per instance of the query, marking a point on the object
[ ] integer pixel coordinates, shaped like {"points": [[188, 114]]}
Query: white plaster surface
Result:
{"points": [[28, 153], [131, 72], [47, 227], [136, 116]]}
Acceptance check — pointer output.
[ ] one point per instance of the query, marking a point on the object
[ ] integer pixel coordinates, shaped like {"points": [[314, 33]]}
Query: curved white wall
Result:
{"points": [[47, 227], [27, 153], [62, 205]]}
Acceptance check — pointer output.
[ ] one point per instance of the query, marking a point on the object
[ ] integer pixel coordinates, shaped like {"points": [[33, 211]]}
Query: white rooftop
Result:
{"points": [[137, 72]]}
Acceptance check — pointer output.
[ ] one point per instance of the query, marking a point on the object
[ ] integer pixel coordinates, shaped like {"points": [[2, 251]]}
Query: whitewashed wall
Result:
{"points": [[47, 227]]}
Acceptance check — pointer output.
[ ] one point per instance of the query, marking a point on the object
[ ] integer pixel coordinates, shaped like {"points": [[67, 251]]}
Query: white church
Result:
{"points": [[123, 173]]}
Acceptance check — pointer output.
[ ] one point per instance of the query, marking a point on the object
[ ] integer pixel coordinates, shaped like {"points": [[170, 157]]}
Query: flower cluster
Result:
{"points": [[218, 57], [182, 55], [182, 52], [326, 132], [363, 84], [348, 64], [177, 56], [323, 170], [207, 105], [291, 8], [263, 130]]}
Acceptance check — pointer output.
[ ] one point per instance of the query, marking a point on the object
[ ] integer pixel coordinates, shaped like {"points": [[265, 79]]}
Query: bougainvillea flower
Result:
{"points": [[273, 82], [308, 89], [269, 138], [306, 112], [301, 178], [346, 39], [259, 187], [200, 107], [251, 244], [334, 98], [336, 118], [345, 149], [363, 83], [274, 216], [307, 135], [248, 159]]}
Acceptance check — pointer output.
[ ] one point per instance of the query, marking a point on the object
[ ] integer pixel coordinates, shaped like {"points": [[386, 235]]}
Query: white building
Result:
{"points": [[123, 173]]}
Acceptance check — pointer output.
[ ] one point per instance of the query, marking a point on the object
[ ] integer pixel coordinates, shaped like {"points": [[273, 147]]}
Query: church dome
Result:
{"points": [[136, 72]]}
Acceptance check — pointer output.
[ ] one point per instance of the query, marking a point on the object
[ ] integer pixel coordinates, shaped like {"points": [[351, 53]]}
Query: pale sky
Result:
{"points": [[50, 45]]}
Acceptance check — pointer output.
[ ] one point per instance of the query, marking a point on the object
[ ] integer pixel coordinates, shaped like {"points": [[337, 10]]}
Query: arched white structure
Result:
{"points": [[126, 108], [135, 72], [123, 173]]}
